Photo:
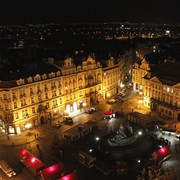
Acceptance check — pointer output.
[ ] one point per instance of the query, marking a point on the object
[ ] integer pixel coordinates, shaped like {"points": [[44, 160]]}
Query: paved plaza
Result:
{"points": [[130, 104]]}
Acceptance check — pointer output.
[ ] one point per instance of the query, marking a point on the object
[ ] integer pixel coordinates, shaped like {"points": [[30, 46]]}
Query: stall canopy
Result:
{"points": [[108, 113], [30, 161], [52, 172], [71, 176], [161, 153]]}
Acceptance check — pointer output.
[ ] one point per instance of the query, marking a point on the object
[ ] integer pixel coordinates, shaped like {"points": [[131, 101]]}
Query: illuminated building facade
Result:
{"points": [[64, 89], [160, 86], [139, 70], [113, 76]]}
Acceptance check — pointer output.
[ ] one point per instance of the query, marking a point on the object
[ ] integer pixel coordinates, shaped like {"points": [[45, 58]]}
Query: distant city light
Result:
{"points": [[97, 138]]}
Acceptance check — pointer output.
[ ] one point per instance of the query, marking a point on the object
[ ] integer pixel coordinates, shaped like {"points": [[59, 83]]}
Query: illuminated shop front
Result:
{"points": [[13, 129], [2, 124], [71, 108]]}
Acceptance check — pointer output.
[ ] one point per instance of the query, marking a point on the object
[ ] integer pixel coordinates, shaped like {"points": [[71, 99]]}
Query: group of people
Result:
{"points": [[159, 174], [36, 136]]}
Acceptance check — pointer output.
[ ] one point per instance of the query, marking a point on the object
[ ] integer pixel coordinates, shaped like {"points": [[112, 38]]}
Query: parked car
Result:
{"points": [[7, 169], [58, 124], [122, 94], [91, 110], [67, 119], [111, 101]]}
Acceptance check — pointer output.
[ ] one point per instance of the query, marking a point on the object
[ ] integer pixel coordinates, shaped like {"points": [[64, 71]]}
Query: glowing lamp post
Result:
{"points": [[97, 138], [121, 85], [140, 102], [28, 126], [140, 92], [90, 150], [108, 94]]}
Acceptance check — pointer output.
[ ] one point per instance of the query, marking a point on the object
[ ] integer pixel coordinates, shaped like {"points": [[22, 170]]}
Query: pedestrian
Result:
{"points": [[35, 136], [37, 145]]}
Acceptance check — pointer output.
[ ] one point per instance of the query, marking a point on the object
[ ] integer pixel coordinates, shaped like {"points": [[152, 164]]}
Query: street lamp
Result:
{"points": [[140, 102], [90, 150], [121, 85], [108, 94], [28, 126], [97, 138]]}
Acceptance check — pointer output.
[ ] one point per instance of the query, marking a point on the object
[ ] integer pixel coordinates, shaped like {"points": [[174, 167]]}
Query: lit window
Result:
{"points": [[168, 89]]}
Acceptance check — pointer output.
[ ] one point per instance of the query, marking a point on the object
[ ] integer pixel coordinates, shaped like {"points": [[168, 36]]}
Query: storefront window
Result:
{"points": [[11, 130]]}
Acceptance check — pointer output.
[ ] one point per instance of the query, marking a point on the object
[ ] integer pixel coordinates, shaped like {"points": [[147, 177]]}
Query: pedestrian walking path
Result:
{"points": [[29, 136], [26, 136], [19, 139]]}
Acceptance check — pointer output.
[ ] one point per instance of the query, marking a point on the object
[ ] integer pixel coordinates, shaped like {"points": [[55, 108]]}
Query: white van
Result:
{"points": [[85, 158], [7, 169]]}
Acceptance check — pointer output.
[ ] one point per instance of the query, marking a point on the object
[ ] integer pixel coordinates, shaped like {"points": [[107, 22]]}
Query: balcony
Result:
{"points": [[53, 87], [39, 91], [31, 93], [55, 106], [14, 98], [22, 95], [6, 100], [170, 106], [87, 94]]}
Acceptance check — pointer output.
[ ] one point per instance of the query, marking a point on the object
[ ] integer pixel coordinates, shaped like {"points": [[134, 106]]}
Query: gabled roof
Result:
{"points": [[155, 79], [177, 86]]}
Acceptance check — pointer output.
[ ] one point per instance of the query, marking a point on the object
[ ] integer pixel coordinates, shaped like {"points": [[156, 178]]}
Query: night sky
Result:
{"points": [[47, 11]]}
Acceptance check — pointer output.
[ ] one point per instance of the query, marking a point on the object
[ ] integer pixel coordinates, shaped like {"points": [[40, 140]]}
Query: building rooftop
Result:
{"points": [[168, 72], [10, 73]]}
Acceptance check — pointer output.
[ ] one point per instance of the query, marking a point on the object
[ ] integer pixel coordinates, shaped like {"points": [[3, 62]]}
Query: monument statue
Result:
{"points": [[122, 136]]}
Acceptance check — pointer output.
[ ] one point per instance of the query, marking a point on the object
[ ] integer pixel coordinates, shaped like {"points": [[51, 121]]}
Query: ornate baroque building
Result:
{"points": [[160, 86], [38, 94]]}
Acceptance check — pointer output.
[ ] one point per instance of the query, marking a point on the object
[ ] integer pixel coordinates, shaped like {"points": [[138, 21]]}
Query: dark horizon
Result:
{"points": [[135, 11]]}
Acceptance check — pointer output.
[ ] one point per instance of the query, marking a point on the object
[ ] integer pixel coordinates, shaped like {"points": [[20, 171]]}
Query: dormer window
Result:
{"points": [[44, 76], [37, 77], [30, 80]]}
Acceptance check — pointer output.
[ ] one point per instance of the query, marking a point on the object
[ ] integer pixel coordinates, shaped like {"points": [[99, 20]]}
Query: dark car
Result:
{"points": [[67, 119], [90, 111], [58, 124]]}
